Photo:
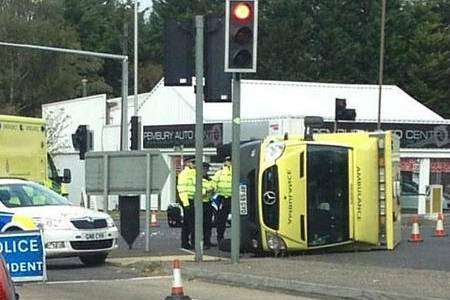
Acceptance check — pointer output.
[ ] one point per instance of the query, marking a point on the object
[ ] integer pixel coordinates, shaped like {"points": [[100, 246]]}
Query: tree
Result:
{"points": [[30, 78], [57, 122], [99, 25], [418, 51], [299, 40]]}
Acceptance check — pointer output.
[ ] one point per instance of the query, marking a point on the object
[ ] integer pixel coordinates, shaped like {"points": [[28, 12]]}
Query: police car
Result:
{"points": [[68, 230], [13, 222]]}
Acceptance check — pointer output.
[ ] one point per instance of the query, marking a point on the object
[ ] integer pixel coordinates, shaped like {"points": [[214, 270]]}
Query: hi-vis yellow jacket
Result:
{"points": [[222, 179], [186, 185], [208, 188]]}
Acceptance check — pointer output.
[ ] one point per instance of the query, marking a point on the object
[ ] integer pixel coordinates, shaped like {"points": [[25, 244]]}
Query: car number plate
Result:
{"points": [[243, 200], [95, 236]]}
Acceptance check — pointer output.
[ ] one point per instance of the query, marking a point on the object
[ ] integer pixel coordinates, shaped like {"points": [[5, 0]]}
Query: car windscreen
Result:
{"points": [[29, 194]]}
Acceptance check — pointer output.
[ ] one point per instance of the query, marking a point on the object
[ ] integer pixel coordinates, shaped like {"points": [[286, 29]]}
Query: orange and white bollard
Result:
{"points": [[177, 284], [415, 234], [440, 232], [153, 220]]}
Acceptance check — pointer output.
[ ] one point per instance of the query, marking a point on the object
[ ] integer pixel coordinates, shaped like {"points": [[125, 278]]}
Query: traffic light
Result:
{"points": [[82, 140], [178, 55], [134, 133], [241, 35], [217, 81], [342, 112]]}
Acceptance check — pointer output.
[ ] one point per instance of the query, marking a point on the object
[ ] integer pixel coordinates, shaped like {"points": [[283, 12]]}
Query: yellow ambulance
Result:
{"points": [[23, 152], [332, 190]]}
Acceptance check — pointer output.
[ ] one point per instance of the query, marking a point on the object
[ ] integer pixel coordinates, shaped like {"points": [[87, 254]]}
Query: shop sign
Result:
{"points": [[427, 136], [440, 166], [169, 136], [409, 165]]}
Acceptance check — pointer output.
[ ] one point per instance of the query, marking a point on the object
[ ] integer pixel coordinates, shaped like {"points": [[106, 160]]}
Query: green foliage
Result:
{"points": [[418, 51], [30, 78], [299, 40]]}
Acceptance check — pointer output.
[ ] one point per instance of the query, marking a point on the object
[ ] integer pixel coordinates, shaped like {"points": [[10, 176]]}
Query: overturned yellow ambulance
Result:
{"points": [[333, 190]]}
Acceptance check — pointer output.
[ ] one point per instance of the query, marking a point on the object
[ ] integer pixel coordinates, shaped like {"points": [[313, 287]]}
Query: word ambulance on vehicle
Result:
{"points": [[328, 190]]}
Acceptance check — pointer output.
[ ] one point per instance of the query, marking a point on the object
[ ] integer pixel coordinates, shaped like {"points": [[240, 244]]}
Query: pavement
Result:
{"points": [[326, 279], [144, 288]]}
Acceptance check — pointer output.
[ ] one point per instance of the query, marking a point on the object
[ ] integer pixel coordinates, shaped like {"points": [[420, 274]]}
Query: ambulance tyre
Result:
{"points": [[93, 260], [225, 245]]}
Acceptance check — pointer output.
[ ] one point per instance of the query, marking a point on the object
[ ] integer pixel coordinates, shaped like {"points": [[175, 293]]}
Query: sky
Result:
{"points": [[145, 3]]}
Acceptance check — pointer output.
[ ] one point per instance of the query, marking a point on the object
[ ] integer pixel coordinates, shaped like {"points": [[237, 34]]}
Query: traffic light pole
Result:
{"points": [[236, 162], [199, 28]]}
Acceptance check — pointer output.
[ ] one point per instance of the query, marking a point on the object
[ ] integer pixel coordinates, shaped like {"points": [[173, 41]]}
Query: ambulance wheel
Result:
{"points": [[93, 260], [225, 245]]}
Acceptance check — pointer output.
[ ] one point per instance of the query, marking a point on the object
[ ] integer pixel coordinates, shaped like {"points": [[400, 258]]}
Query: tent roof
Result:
{"points": [[262, 99]]}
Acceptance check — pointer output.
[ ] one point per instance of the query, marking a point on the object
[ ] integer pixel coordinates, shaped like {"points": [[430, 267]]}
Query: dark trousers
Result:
{"points": [[222, 216], [188, 230], [207, 222]]}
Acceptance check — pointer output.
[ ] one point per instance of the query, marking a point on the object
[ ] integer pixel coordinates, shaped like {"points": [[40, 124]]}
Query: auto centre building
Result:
{"points": [[267, 107]]}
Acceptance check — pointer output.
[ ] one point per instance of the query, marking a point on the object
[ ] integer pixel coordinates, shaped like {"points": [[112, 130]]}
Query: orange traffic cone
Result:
{"points": [[440, 232], [415, 234], [153, 220], [177, 284]]}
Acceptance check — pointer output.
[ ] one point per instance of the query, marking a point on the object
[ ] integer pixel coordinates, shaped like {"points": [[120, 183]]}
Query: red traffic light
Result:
{"points": [[242, 12], [241, 35]]}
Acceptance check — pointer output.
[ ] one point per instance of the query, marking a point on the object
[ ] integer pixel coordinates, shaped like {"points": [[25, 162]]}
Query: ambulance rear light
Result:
{"points": [[382, 210]]}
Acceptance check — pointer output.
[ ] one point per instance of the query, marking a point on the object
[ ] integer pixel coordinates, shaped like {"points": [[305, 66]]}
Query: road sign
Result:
{"points": [[24, 255], [125, 172], [169, 136]]}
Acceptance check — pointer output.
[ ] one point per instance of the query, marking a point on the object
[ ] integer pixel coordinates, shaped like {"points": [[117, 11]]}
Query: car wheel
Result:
{"points": [[13, 229], [93, 260]]}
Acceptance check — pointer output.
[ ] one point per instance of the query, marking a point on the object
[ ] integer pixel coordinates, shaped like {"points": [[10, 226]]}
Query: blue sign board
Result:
{"points": [[24, 255]]}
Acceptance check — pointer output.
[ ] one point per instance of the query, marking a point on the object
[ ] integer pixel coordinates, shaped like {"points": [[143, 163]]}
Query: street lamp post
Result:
{"points": [[136, 4], [381, 61]]}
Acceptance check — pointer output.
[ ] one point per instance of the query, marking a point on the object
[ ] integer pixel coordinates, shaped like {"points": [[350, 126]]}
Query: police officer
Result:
{"points": [[207, 193], [186, 191], [222, 179]]}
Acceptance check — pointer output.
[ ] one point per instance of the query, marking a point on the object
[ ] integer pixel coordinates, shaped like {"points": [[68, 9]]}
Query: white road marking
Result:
{"points": [[106, 280], [187, 251]]}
